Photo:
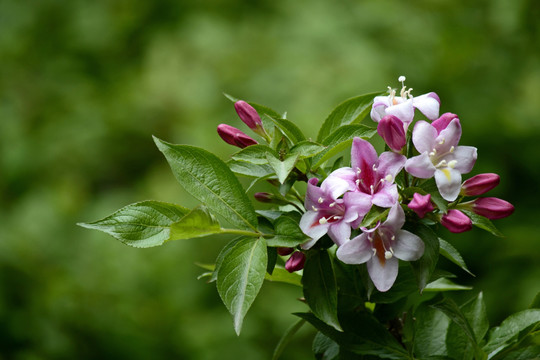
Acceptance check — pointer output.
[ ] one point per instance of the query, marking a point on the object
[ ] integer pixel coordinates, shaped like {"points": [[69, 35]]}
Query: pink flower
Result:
{"points": [[371, 177], [492, 207], [440, 155], [249, 116], [421, 204], [392, 130], [327, 213], [295, 262], [381, 247], [456, 221], [235, 137], [479, 184]]}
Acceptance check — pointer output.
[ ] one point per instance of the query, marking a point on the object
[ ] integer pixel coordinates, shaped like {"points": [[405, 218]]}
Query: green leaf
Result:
{"points": [[283, 276], [264, 110], [249, 169], [363, 334], [208, 179], [199, 222], [430, 187], [340, 140], [431, 326], [254, 154], [306, 149], [143, 224], [286, 338], [325, 348], [424, 267], [224, 251], [288, 128], [320, 288], [536, 302], [450, 252], [282, 168], [507, 333], [483, 223], [350, 111], [374, 214], [287, 233], [443, 284], [240, 277]]}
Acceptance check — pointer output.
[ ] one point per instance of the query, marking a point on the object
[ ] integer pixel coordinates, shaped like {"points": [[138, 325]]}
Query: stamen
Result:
{"points": [[442, 141], [402, 79], [389, 178], [393, 237], [452, 163], [357, 182], [332, 204], [314, 208], [358, 171], [337, 217], [374, 167], [433, 153], [321, 200], [372, 189], [374, 251], [441, 164], [452, 149], [323, 221], [387, 255]]}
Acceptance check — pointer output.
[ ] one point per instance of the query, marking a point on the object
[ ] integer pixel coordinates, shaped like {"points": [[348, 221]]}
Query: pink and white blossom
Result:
{"points": [[440, 155], [381, 247]]}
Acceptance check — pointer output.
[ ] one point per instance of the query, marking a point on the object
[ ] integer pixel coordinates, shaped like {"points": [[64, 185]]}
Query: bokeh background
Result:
{"points": [[84, 85]]}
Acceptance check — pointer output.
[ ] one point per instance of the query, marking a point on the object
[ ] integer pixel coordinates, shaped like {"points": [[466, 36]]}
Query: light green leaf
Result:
{"points": [[507, 333], [450, 252], [240, 277], [282, 168], [208, 179], [287, 233], [199, 222], [444, 284], [306, 149], [142, 224], [288, 128], [340, 140], [320, 288], [375, 214], [350, 111], [283, 276], [254, 154], [483, 223], [249, 169]]}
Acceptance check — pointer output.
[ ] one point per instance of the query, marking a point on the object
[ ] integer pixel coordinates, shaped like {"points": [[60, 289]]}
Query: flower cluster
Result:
{"points": [[338, 206]]}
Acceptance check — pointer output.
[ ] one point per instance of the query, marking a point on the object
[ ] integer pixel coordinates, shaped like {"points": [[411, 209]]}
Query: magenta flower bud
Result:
{"points": [[492, 207], [391, 129], [295, 262], [263, 197], [284, 251], [479, 184], [248, 115], [235, 137], [442, 122], [421, 204], [456, 221]]}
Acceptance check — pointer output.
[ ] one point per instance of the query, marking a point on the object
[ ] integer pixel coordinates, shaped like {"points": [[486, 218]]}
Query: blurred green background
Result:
{"points": [[84, 85]]}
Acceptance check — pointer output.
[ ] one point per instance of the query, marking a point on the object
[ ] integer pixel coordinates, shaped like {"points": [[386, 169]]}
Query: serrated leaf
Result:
{"points": [[286, 338], [207, 178], [245, 168], [507, 333], [199, 222], [444, 284], [348, 112], [282, 168], [254, 154], [483, 223], [143, 224], [340, 140], [306, 149], [288, 128], [450, 252], [424, 267], [240, 277], [287, 233], [320, 288]]}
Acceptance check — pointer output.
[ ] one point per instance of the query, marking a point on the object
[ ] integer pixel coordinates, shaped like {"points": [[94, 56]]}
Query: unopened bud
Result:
{"points": [[248, 115], [265, 197], [421, 204], [479, 184], [392, 130], [284, 251], [295, 262], [456, 221], [493, 208], [233, 136]]}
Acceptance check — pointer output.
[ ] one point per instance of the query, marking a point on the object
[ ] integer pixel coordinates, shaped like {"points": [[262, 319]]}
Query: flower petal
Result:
{"points": [[386, 197], [449, 136], [465, 157], [420, 166], [403, 111], [362, 154], [423, 137], [448, 182], [356, 251], [390, 164], [340, 232], [357, 204], [336, 186], [407, 246], [384, 274], [395, 219], [309, 224], [378, 110], [428, 104], [346, 173]]}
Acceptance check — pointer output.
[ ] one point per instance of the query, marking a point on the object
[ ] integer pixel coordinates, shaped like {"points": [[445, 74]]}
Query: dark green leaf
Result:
{"points": [[483, 223], [450, 252], [208, 179], [320, 288], [325, 348], [424, 267], [240, 277], [431, 326], [374, 215], [350, 111], [286, 338], [536, 302], [272, 259], [340, 140], [287, 233], [142, 224], [443, 284], [254, 154], [282, 168]]}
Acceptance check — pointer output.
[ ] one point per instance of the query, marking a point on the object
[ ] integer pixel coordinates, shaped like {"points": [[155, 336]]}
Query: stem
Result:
{"points": [[242, 232]]}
